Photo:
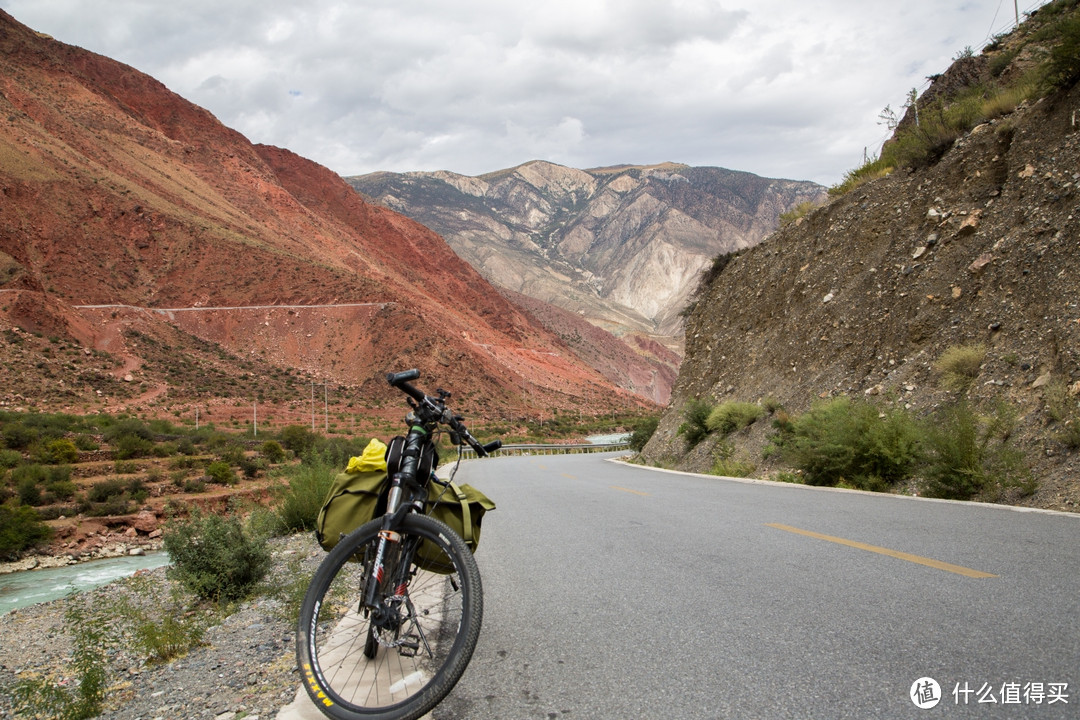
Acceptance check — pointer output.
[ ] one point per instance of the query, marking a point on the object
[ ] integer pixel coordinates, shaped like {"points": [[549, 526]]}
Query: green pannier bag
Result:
{"points": [[355, 496], [353, 500], [462, 507], [358, 495]]}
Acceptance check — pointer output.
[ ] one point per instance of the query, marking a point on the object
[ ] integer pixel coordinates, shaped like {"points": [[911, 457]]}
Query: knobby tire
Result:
{"points": [[442, 616]]}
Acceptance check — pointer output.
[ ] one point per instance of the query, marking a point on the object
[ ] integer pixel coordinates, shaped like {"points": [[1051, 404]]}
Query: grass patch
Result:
{"points": [[959, 365], [726, 464], [732, 416]]}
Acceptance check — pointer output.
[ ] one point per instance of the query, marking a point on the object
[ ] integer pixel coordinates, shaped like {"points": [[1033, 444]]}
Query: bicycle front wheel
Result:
{"points": [[400, 661]]}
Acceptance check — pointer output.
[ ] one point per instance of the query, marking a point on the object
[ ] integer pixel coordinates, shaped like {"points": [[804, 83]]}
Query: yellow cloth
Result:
{"points": [[373, 458]]}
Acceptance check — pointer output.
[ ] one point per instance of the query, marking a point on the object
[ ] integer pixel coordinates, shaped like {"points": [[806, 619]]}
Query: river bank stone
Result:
{"points": [[246, 665]]}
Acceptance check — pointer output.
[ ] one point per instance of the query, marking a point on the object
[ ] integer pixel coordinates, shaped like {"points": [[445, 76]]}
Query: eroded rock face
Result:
{"points": [[624, 247]]}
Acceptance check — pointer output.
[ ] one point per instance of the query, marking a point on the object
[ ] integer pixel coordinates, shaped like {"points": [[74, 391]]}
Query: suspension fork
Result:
{"points": [[395, 511]]}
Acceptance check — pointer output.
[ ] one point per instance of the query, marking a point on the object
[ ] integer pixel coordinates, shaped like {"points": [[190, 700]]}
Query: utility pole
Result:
{"points": [[1016, 9], [255, 417], [326, 415]]}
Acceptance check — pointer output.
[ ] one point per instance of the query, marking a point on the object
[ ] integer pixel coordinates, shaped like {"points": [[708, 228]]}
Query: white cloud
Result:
{"points": [[781, 88]]}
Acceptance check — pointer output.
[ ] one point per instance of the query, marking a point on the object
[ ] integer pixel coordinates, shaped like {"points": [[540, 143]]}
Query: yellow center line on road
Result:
{"points": [[636, 492], [947, 567], [568, 476]]}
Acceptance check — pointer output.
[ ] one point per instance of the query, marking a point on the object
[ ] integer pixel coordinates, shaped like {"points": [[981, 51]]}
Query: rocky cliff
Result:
{"points": [[975, 243]]}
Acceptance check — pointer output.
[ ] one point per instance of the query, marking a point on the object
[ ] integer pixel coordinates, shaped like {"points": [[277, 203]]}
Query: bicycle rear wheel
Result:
{"points": [[354, 669]]}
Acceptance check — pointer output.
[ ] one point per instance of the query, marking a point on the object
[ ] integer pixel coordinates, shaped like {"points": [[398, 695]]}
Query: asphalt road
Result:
{"points": [[619, 592]]}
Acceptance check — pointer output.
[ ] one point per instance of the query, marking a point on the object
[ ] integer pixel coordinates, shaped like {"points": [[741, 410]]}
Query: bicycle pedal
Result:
{"points": [[409, 646]]}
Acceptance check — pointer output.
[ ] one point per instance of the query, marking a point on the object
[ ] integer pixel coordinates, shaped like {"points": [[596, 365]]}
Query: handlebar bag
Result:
{"points": [[427, 461], [462, 507]]}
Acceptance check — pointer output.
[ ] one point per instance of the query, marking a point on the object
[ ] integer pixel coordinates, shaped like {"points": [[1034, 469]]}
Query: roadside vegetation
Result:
{"points": [[56, 465], [961, 449]]}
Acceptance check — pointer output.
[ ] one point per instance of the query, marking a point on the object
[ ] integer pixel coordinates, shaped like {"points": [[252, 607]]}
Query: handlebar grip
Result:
{"points": [[401, 382], [396, 379], [492, 446]]}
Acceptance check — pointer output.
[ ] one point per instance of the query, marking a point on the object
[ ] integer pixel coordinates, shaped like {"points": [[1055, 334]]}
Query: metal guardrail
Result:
{"points": [[468, 452]]}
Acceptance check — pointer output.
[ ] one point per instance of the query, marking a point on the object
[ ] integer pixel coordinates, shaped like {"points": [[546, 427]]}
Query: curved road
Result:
{"points": [[619, 592]]}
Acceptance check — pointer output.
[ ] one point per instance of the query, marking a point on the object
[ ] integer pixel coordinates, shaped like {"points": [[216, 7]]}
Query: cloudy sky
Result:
{"points": [[780, 88]]}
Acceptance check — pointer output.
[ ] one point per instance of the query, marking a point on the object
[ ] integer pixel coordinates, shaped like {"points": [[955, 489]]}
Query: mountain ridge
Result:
{"points": [[613, 232], [621, 247]]}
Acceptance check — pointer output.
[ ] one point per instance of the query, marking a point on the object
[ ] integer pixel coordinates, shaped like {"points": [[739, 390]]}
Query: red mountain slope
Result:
{"points": [[116, 191]]}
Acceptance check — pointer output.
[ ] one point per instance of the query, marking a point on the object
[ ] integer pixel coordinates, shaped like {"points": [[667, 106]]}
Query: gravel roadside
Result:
{"points": [[245, 668]]}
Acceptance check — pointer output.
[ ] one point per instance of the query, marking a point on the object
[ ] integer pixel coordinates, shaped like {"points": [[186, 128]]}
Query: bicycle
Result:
{"points": [[392, 615]]}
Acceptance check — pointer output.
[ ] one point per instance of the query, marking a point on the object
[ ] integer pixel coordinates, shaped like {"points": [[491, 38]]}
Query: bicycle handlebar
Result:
{"points": [[402, 381]]}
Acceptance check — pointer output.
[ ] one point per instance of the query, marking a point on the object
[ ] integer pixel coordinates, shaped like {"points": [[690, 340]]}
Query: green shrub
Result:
{"points": [[959, 365], [233, 453], [852, 442], [29, 479], [221, 472], [731, 416], [10, 458], [273, 451], [251, 466], [127, 426], [643, 432], [194, 485], [85, 442], [1063, 67], [132, 446], [298, 503], [297, 438], [335, 451], [18, 436], [214, 558], [20, 529], [694, 428], [969, 455], [29, 491], [63, 451], [62, 489], [103, 490], [113, 505]]}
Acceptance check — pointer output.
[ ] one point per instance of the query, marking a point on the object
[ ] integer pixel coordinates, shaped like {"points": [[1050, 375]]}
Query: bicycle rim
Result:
{"points": [[398, 672]]}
